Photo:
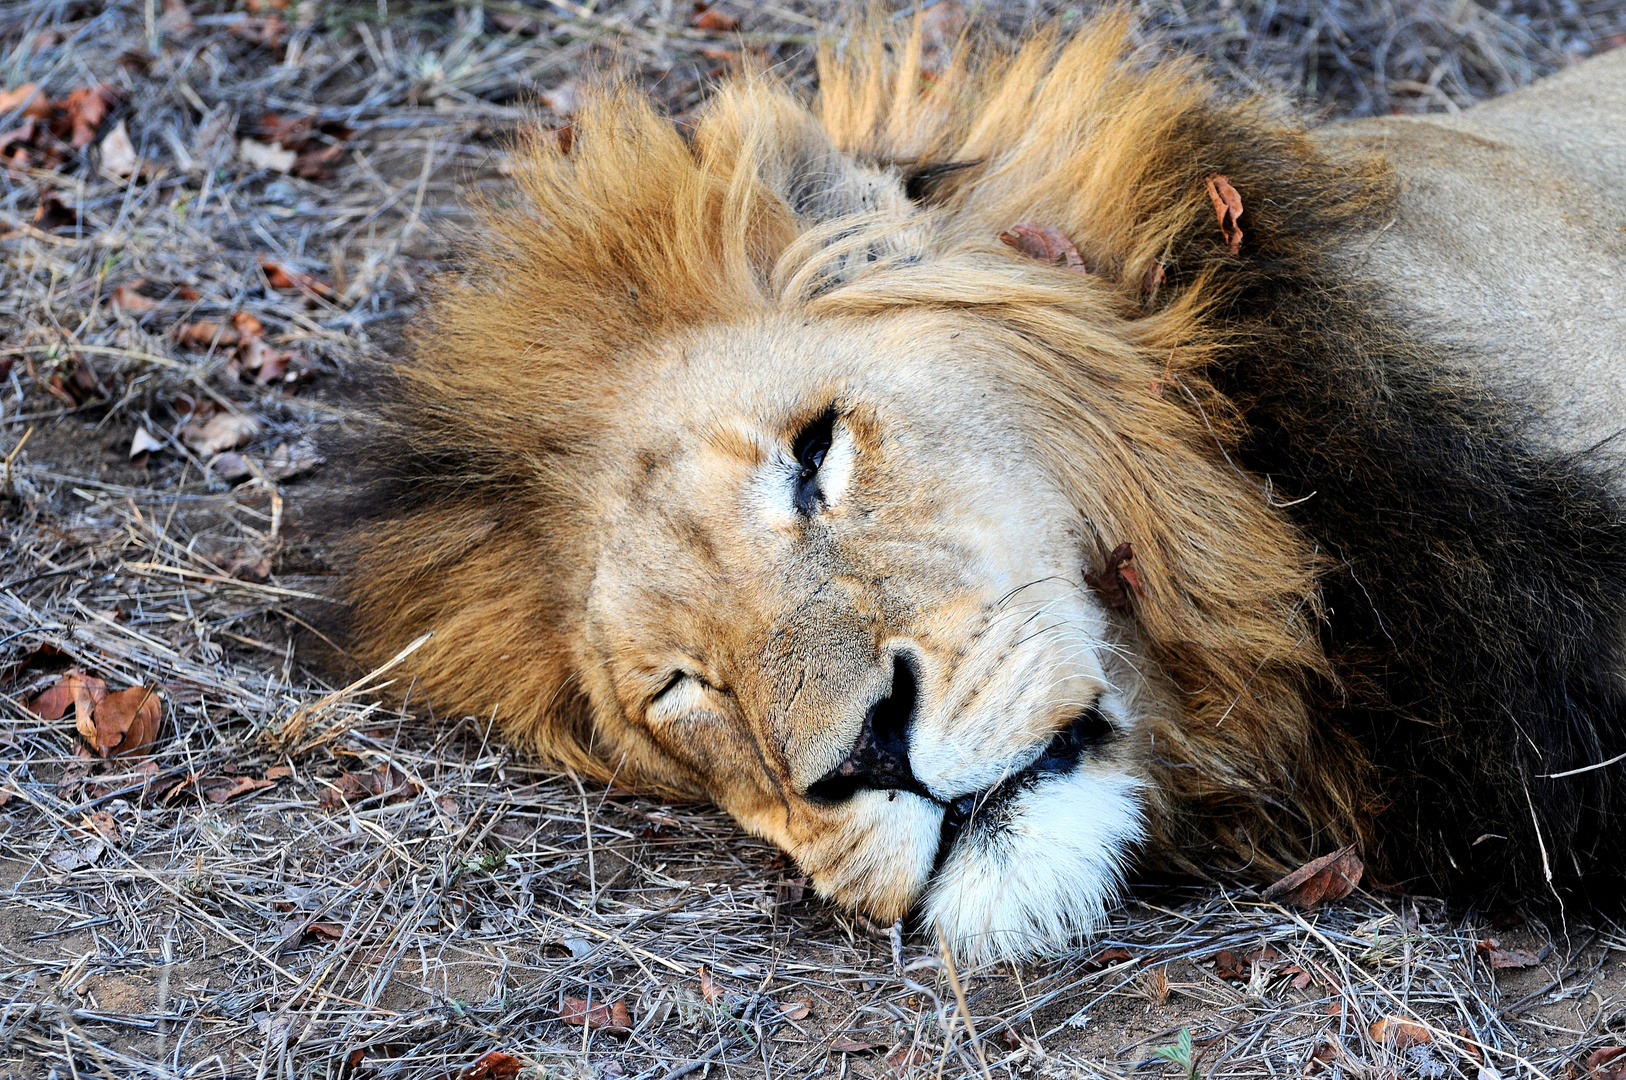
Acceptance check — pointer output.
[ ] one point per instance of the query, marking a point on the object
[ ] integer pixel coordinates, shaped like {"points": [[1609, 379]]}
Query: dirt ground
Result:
{"points": [[305, 876]]}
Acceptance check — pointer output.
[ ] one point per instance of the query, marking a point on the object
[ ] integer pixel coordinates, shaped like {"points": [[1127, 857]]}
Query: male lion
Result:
{"points": [[980, 485]]}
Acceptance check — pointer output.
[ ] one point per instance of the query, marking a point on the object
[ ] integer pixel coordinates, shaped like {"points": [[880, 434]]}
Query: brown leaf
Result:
{"points": [[72, 687], [613, 1017], [1399, 1032], [494, 1065], [279, 772], [708, 986], [125, 298], [394, 785], [795, 1010], [202, 334], [246, 326], [1045, 243], [1302, 980], [1500, 958], [127, 722], [1226, 966], [713, 18], [1607, 1063], [221, 432], [1319, 881], [1113, 582], [846, 1044], [280, 277], [1107, 957], [907, 1058], [27, 94], [1228, 208], [220, 791], [101, 823], [85, 110]]}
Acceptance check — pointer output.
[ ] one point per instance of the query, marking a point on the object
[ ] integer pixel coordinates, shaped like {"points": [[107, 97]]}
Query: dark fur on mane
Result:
{"points": [[1474, 585]]}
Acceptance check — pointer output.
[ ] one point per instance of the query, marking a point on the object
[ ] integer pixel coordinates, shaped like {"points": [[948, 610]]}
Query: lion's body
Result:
{"points": [[757, 467], [1510, 235]]}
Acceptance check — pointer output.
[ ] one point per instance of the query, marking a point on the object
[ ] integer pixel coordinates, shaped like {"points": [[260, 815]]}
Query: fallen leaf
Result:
{"points": [[258, 155], [494, 1065], [221, 791], [85, 109], [230, 466], [119, 153], [280, 277], [279, 772], [1500, 958], [142, 442], [290, 460], [74, 689], [1607, 1063], [905, 1059], [713, 18], [1107, 957], [246, 326], [795, 1010], [790, 891], [101, 823], [1331, 877], [386, 781], [1399, 1033], [221, 432], [127, 722], [202, 334], [1302, 980], [68, 856], [126, 298], [1045, 243], [1226, 966], [708, 986], [1113, 582], [846, 1044], [613, 1017], [1228, 208], [26, 96]]}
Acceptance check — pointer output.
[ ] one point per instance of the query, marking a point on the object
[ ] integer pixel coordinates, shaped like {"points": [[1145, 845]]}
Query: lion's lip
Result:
{"points": [[988, 809]]}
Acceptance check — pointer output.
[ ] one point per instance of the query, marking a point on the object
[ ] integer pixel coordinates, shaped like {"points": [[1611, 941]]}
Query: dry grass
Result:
{"points": [[452, 908]]}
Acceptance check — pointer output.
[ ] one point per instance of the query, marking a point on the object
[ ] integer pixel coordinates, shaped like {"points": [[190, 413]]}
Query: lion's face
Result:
{"points": [[838, 593]]}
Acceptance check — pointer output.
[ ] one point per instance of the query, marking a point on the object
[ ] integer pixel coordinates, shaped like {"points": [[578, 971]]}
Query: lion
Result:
{"points": [[988, 483]]}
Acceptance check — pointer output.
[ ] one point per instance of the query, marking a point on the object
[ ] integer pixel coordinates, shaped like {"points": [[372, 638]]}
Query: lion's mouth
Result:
{"points": [[981, 815]]}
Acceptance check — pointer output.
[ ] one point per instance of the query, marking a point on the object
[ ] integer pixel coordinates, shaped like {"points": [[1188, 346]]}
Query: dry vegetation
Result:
{"points": [[296, 879]]}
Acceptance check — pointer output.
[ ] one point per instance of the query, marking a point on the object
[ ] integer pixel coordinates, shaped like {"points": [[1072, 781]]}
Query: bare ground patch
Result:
{"points": [[303, 878]]}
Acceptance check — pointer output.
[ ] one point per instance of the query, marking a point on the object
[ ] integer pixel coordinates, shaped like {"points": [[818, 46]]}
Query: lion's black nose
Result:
{"points": [[879, 758]]}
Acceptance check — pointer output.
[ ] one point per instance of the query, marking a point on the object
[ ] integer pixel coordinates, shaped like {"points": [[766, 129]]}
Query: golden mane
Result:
{"points": [[638, 232]]}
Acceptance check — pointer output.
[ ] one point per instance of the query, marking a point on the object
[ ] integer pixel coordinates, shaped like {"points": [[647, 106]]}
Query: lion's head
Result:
{"points": [[754, 466]]}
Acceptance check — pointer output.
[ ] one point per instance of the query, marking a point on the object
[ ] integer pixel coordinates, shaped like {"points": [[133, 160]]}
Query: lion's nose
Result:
{"points": [[879, 758]]}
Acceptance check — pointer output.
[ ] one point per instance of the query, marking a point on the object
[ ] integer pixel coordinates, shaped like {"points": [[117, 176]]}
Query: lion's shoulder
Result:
{"points": [[1509, 236]]}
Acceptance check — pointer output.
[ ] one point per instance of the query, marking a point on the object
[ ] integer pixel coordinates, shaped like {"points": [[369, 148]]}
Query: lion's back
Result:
{"points": [[1510, 237]]}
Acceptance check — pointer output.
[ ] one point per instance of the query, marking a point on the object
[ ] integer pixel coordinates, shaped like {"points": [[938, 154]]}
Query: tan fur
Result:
{"points": [[585, 363]]}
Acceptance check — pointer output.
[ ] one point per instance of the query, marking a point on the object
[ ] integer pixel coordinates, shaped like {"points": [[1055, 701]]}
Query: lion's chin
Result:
{"points": [[1033, 871]]}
